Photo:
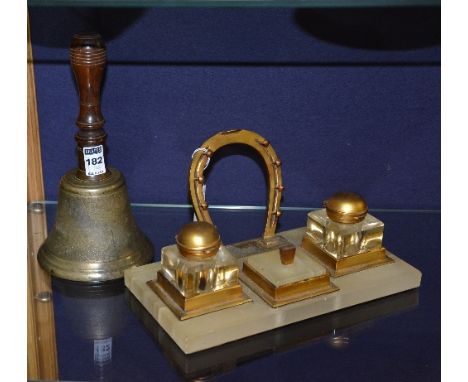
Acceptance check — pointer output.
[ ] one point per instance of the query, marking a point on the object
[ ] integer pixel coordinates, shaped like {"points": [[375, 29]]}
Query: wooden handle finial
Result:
{"points": [[88, 61]]}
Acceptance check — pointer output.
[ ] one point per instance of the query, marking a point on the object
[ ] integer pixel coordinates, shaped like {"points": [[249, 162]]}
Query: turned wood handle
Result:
{"points": [[88, 62], [272, 163]]}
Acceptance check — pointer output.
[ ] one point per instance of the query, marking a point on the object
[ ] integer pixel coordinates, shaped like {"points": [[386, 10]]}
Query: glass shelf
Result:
{"points": [[233, 3], [247, 221], [103, 333]]}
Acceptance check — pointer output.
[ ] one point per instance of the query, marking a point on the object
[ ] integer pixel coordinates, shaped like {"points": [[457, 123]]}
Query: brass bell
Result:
{"points": [[95, 237]]}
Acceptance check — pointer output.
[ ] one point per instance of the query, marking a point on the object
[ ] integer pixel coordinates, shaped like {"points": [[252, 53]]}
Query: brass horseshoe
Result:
{"points": [[272, 163]]}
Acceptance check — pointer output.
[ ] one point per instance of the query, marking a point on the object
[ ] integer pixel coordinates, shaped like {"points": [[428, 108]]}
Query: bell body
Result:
{"points": [[95, 237]]}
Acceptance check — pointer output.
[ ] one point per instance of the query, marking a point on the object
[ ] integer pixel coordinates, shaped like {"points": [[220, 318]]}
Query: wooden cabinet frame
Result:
{"points": [[42, 349]]}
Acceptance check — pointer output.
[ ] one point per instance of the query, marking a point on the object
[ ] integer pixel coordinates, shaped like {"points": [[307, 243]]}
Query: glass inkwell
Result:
{"points": [[198, 275], [344, 237]]}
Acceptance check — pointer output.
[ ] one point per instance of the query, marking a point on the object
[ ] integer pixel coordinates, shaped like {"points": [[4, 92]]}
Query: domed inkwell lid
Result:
{"points": [[346, 207], [198, 240]]}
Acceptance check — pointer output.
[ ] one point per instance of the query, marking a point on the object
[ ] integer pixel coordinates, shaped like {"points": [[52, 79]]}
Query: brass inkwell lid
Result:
{"points": [[198, 240], [346, 207]]}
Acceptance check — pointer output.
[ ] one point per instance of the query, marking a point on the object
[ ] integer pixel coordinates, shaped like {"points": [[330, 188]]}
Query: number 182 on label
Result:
{"points": [[94, 160]]}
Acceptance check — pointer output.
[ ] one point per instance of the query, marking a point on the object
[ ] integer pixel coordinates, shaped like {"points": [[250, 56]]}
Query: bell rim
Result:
{"points": [[96, 271]]}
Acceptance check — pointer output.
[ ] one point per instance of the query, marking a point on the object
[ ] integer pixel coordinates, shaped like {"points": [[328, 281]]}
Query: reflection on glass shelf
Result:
{"points": [[103, 333], [336, 330], [234, 3], [96, 314]]}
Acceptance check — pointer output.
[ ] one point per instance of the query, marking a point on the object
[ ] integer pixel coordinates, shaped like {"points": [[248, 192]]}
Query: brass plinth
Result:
{"points": [[95, 237], [278, 283], [188, 307], [278, 296], [346, 265]]}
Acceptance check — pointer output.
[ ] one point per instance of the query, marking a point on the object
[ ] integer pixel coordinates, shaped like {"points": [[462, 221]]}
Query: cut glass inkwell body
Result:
{"points": [[343, 236], [198, 275]]}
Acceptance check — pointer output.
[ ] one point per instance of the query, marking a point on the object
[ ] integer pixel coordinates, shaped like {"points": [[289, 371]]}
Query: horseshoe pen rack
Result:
{"points": [[274, 280]]}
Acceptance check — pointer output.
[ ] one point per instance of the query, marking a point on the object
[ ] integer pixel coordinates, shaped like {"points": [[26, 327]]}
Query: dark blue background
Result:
{"points": [[349, 98]]}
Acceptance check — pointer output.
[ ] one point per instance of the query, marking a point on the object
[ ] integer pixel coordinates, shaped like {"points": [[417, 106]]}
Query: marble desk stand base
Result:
{"points": [[245, 320]]}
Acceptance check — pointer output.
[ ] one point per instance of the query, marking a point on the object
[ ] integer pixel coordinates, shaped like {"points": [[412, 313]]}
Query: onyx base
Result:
{"points": [[189, 307], [227, 325]]}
